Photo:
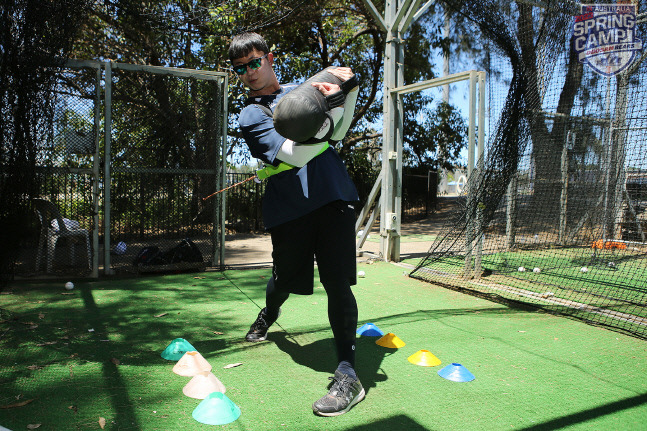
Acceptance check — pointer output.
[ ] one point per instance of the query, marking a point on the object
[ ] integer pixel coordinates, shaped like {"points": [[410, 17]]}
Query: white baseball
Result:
{"points": [[521, 269], [584, 269], [536, 270], [361, 274], [69, 285]]}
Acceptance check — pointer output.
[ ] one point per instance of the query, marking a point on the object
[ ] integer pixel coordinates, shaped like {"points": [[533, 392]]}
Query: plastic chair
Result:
{"points": [[49, 235]]}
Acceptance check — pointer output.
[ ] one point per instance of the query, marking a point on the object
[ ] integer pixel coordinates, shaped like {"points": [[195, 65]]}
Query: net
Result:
{"points": [[167, 128], [554, 214]]}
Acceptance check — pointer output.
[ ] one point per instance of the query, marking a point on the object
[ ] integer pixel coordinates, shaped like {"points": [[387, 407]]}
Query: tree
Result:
{"points": [[437, 141], [305, 38], [33, 34]]}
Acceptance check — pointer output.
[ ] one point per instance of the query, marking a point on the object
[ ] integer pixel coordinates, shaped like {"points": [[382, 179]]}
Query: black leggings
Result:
{"points": [[342, 314]]}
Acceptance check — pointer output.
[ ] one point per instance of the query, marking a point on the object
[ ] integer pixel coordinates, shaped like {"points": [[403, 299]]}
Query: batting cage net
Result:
{"points": [[59, 238], [166, 148], [554, 213], [122, 170]]}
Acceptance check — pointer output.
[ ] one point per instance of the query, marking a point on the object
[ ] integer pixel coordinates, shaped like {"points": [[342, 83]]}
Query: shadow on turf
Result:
{"points": [[399, 422], [320, 356], [590, 414]]}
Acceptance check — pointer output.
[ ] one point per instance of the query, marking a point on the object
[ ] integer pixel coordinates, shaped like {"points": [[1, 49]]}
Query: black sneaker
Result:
{"points": [[344, 393], [258, 330]]}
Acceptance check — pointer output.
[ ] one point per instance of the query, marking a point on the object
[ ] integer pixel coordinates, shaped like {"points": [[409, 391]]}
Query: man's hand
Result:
{"points": [[326, 88], [343, 73]]}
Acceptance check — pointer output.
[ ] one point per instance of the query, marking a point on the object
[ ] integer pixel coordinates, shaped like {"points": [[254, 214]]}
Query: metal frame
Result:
{"points": [[390, 179], [397, 18], [107, 67]]}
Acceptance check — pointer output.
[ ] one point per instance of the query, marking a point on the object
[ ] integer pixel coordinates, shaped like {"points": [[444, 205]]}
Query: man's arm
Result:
{"points": [[299, 155]]}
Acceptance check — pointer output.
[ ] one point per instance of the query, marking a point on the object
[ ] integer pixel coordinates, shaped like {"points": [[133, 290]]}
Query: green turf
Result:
{"points": [[95, 354], [618, 287]]}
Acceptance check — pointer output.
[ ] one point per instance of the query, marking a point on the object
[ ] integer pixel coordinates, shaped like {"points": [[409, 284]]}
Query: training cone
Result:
{"points": [[202, 384], [370, 330], [424, 358], [176, 349], [216, 409], [390, 340], [456, 373], [191, 364]]}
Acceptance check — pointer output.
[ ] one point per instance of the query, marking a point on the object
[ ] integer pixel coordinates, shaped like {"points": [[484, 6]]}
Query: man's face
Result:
{"points": [[261, 78]]}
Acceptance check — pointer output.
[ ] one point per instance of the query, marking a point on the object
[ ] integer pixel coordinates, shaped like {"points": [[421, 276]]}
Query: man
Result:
{"points": [[308, 209]]}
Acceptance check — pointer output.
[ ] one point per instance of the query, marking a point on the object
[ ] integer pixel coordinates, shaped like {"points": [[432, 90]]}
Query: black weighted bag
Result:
{"points": [[302, 112]]}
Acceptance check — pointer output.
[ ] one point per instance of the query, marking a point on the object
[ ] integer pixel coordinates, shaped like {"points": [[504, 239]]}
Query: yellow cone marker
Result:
{"points": [[390, 340], [424, 358], [190, 364]]}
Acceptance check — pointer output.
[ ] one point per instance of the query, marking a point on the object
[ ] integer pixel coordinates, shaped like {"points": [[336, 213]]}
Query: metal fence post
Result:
{"points": [[106, 167], [96, 175]]}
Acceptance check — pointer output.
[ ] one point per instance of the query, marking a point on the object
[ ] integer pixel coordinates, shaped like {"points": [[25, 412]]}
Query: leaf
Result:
{"points": [[20, 404], [218, 333], [102, 422], [47, 343], [115, 361], [199, 278], [41, 315], [34, 367], [160, 315], [237, 364]]}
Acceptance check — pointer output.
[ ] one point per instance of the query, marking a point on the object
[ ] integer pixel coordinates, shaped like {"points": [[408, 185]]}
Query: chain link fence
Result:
{"points": [[168, 126], [128, 158]]}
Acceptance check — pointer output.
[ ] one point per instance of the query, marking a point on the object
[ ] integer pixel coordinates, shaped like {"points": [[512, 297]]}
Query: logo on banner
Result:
{"points": [[604, 37]]}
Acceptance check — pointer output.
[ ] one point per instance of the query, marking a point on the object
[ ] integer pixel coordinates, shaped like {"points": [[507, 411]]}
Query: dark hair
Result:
{"points": [[242, 44]]}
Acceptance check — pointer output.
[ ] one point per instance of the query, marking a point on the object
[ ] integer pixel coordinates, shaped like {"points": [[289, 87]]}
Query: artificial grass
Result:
{"points": [[604, 280], [533, 370]]}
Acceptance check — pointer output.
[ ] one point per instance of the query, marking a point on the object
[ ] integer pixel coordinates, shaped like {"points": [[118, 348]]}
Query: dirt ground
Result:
{"points": [[255, 250]]}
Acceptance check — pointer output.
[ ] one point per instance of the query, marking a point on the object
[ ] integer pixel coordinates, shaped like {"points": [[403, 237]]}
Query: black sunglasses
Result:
{"points": [[254, 64]]}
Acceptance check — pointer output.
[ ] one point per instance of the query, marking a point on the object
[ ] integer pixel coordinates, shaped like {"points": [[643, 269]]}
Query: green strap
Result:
{"points": [[270, 170]]}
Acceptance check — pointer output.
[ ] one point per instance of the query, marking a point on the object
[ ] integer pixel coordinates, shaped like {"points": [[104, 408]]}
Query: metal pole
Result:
{"points": [[471, 125], [399, 145], [106, 168], [446, 57], [96, 157], [469, 229], [480, 171], [388, 217], [397, 18], [223, 175]]}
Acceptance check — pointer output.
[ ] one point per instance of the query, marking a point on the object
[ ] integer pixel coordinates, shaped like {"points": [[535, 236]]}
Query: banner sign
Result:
{"points": [[604, 37]]}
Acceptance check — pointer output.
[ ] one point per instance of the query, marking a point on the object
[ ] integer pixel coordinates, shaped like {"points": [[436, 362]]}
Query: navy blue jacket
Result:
{"points": [[298, 191]]}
